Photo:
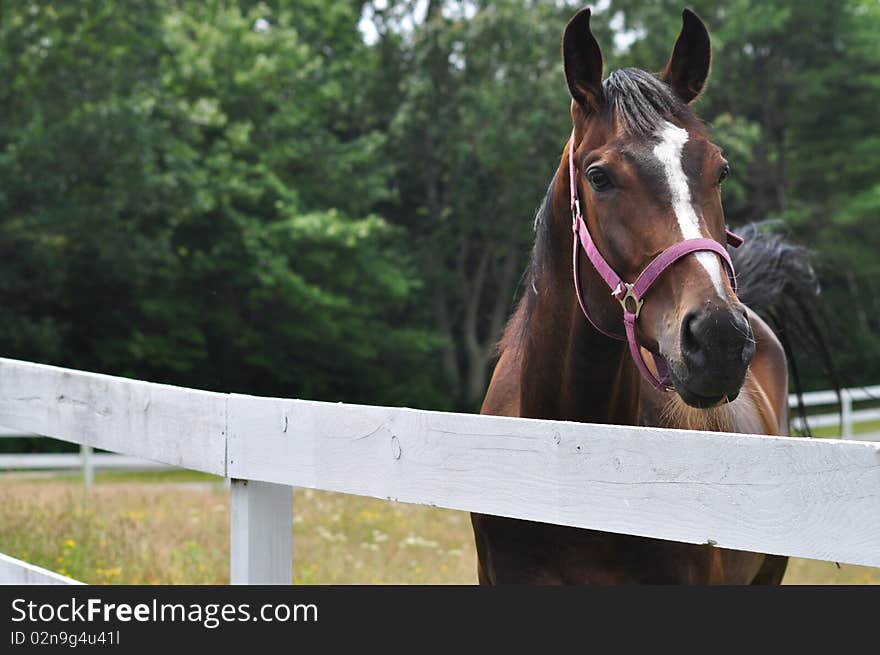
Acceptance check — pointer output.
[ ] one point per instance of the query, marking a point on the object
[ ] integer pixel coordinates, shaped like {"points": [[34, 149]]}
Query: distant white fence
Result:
{"points": [[815, 498], [85, 460], [847, 418]]}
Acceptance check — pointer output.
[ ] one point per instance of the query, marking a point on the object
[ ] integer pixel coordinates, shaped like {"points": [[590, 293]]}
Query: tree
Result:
{"points": [[197, 208], [482, 116]]}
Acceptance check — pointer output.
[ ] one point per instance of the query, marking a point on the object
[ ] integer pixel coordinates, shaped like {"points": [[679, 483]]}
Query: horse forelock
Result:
{"points": [[638, 103]]}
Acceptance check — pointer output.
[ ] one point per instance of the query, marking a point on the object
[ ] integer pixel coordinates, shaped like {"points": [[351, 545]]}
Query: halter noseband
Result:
{"points": [[632, 296]]}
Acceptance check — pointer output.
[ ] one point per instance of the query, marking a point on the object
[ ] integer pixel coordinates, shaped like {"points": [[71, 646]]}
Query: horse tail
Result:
{"points": [[776, 279]]}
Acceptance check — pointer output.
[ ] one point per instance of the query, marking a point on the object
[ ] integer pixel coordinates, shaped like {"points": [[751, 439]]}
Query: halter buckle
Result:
{"points": [[626, 296]]}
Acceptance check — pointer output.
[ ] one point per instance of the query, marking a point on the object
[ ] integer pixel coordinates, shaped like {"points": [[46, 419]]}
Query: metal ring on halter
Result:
{"points": [[626, 296]]}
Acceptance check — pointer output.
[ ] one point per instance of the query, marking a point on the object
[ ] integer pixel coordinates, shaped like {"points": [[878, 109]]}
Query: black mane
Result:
{"points": [[638, 102], [541, 247], [541, 251]]}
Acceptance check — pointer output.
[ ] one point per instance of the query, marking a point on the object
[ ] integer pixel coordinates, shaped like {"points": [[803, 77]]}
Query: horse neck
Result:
{"points": [[569, 370], [572, 372]]}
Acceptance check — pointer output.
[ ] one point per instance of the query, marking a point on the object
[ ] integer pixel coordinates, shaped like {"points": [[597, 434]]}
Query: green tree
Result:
{"points": [[249, 196], [188, 194], [482, 116]]}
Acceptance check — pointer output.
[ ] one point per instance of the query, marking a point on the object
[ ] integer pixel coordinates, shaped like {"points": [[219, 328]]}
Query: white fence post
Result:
{"points": [[846, 417], [88, 466], [261, 533]]}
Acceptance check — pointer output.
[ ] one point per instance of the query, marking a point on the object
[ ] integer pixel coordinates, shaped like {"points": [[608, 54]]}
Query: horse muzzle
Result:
{"points": [[716, 346]]}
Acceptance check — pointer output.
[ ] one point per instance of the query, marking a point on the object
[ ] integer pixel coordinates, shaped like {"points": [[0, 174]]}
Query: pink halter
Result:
{"points": [[635, 292]]}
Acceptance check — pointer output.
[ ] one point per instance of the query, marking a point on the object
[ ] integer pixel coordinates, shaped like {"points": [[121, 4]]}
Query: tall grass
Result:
{"points": [[162, 528]]}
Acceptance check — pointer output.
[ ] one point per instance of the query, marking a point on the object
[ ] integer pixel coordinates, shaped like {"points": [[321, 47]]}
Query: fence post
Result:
{"points": [[846, 414], [261, 533], [88, 465]]}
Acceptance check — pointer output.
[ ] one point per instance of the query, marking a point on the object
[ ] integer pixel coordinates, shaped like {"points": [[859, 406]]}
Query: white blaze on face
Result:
{"points": [[668, 152]]}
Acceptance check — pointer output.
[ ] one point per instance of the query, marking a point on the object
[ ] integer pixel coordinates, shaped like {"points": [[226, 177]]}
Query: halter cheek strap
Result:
{"points": [[632, 296]]}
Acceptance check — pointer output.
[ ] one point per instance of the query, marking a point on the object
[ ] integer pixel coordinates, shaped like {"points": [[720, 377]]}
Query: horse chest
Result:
{"points": [[514, 551]]}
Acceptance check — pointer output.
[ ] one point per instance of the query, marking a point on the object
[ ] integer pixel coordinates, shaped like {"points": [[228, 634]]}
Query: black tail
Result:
{"points": [[775, 278]]}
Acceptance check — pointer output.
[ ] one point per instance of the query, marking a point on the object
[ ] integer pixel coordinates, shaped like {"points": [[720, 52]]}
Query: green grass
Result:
{"points": [[172, 527], [158, 475], [868, 427]]}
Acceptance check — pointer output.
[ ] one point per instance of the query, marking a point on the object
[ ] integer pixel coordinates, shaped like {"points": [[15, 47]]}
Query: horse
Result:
{"points": [[636, 197]]}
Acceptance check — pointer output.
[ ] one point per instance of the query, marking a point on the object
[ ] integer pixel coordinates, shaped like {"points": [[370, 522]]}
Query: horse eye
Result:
{"points": [[599, 179], [724, 174]]}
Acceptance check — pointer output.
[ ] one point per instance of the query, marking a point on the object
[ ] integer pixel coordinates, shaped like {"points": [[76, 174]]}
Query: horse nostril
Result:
{"points": [[745, 328], [716, 338], [741, 322], [690, 344]]}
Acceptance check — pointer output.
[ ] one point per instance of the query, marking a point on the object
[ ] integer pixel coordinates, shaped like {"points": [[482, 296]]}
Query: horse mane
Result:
{"points": [[777, 281], [516, 326]]}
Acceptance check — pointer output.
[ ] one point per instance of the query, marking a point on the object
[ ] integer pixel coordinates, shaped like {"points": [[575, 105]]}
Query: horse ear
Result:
{"points": [[583, 61], [688, 66]]}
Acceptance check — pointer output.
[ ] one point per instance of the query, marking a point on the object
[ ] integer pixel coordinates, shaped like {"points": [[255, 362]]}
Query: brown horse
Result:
{"points": [[647, 177]]}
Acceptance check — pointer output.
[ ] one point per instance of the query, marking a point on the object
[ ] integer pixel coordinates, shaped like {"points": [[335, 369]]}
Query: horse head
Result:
{"points": [[647, 179]]}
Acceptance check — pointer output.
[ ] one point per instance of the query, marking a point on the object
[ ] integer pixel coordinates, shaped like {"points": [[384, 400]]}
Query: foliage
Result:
{"points": [[196, 207], [482, 108]]}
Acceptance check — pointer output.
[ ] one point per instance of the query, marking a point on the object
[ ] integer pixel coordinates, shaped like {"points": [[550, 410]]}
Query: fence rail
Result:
{"points": [[790, 496], [54, 461], [15, 571], [87, 462]]}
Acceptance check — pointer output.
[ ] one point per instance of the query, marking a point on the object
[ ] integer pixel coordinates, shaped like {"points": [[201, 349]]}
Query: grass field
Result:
{"points": [[173, 528], [865, 427]]}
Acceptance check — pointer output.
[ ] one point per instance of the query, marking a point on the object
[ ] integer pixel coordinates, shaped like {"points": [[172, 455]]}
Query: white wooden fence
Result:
{"points": [[847, 419], [812, 498], [15, 571]]}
